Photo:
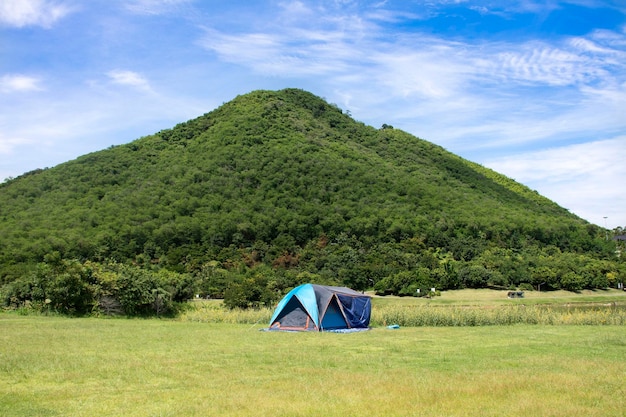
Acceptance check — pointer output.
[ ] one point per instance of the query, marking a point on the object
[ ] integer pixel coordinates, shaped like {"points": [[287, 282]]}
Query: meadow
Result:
{"points": [[457, 308], [59, 366]]}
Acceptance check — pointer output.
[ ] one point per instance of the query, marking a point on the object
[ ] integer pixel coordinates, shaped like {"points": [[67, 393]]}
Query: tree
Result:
{"points": [[250, 292]]}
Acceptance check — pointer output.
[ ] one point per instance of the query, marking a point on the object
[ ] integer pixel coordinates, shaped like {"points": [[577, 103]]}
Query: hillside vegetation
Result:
{"points": [[272, 189]]}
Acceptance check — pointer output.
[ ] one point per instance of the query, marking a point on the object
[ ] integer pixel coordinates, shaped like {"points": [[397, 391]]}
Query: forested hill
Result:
{"points": [[281, 179]]}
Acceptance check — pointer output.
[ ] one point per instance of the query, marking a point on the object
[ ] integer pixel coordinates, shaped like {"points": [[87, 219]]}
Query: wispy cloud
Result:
{"points": [[129, 78], [20, 13], [154, 7], [295, 9], [420, 64], [563, 164], [477, 87], [8, 144], [299, 40], [19, 83], [278, 54], [584, 176], [545, 65], [430, 71]]}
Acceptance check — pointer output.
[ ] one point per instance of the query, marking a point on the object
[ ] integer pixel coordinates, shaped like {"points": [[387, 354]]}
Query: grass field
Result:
{"points": [[55, 366], [457, 308], [486, 297]]}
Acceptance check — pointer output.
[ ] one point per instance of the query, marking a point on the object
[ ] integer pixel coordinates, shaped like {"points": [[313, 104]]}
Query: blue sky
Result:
{"points": [[533, 89]]}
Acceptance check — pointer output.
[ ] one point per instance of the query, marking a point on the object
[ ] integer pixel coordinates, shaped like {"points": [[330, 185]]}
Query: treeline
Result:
{"points": [[243, 280]]}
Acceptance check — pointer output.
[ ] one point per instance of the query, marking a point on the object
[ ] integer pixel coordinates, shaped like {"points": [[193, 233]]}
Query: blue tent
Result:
{"points": [[320, 307]]}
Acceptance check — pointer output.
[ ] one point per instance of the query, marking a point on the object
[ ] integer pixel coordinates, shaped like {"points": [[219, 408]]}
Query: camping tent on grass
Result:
{"points": [[319, 307]]}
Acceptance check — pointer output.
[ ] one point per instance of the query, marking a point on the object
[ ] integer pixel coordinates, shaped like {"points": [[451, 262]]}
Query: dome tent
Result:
{"points": [[319, 307]]}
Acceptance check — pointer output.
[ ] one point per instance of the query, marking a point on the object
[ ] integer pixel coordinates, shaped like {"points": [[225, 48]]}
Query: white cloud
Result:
{"points": [[153, 7], [18, 83], [538, 7], [424, 65], [546, 65], [587, 176], [279, 54], [20, 13], [392, 16], [465, 95], [295, 9], [247, 49], [299, 40], [8, 144], [577, 60], [426, 71], [129, 78], [588, 45]]}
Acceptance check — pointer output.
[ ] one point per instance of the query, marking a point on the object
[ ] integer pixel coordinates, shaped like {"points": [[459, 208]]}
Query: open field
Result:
{"points": [[486, 297], [55, 366], [458, 308], [489, 307]]}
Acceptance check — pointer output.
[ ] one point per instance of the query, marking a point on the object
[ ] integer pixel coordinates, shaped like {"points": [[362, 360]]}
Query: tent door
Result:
{"points": [[293, 317], [333, 317]]}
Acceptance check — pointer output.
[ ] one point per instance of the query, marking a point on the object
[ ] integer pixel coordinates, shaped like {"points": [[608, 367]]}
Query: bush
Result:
{"points": [[63, 286], [140, 293], [250, 292]]}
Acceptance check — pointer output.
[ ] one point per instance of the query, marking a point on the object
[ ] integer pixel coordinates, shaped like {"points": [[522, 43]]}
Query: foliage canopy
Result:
{"points": [[279, 187]]}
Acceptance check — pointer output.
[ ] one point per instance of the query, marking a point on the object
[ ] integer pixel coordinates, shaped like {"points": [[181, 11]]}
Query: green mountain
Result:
{"points": [[285, 180]]}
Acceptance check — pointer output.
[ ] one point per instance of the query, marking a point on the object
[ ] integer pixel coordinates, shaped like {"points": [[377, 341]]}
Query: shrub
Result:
{"points": [[140, 293], [64, 286], [250, 292]]}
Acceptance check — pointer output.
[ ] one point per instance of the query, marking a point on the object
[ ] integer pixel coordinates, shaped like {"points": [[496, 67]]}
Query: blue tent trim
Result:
{"points": [[315, 307]]}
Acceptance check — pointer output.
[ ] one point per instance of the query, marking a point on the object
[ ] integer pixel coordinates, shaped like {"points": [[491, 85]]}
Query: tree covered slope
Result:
{"points": [[269, 178]]}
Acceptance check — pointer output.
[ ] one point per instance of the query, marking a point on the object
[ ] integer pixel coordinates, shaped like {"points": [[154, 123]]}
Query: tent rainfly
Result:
{"points": [[318, 307]]}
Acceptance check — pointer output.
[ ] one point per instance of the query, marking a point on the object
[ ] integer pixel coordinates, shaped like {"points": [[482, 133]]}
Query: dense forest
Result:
{"points": [[270, 190]]}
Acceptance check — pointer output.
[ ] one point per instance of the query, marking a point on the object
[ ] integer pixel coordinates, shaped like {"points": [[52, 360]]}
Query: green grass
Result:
{"points": [[55, 366]]}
